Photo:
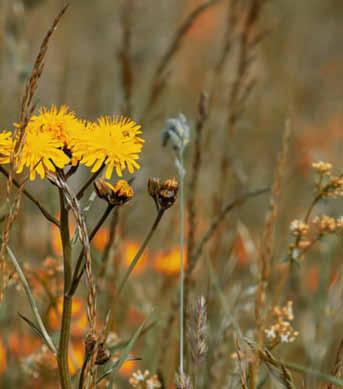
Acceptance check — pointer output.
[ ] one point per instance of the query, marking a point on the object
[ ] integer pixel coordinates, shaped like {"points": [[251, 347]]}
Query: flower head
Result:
{"points": [[177, 131], [61, 123], [41, 152], [6, 146], [118, 194], [113, 142]]}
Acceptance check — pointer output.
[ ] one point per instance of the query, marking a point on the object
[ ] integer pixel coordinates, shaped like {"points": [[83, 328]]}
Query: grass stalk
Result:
{"points": [[181, 172], [141, 250], [32, 301], [79, 269]]}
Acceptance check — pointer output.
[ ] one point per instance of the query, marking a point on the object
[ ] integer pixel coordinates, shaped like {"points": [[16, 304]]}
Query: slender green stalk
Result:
{"points": [[67, 299], [89, 182], [319, 375], [182, 251], [79, 269], [133, 263], [141, 250]]}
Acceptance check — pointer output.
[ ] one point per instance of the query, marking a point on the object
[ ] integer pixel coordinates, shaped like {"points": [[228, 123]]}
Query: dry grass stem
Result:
{"points": [[220, 217], [159, 77]]}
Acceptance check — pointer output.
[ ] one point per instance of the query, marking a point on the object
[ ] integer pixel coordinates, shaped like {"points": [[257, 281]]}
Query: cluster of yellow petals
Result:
{"points": [[6, 145], [113, 142], [41, 152], [61, 124], [55, 138]]}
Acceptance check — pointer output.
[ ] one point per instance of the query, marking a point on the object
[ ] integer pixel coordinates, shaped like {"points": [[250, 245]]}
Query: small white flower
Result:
{"points": [[295, 253], [284, 338], [270, 333]]}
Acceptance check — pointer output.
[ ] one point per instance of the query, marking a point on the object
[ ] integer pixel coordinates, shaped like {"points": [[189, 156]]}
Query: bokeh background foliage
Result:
{"points": [[103, 60]]}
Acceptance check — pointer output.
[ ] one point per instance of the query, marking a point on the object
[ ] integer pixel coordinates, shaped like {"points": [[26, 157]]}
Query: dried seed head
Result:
{"points": [[177, 132], [117, 194], [90, 343], [153, 187], [103, 355], [182, 381], [197, 331], [101, 188], [167, 193], [164, 193]]}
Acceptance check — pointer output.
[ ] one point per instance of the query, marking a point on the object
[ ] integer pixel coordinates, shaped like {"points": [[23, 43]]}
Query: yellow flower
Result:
{"points": [[41, 152], [6, 145], [60, 123], [112, 141], [121, 189]]}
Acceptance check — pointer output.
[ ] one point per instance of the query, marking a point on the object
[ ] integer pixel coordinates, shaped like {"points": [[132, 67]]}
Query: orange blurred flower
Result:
{"points": [[101, 238], [168, 262], [205, 26], [56, 241], [312, 278], [134, 316], [22, 345], [127, 368], [244, 249], [3, 357], [76, 355], [56, 238], [128, 251], [79, 317]]}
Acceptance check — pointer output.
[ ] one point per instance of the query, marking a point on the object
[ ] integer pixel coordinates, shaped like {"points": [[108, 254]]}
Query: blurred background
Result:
{"points": [[103, 60]]}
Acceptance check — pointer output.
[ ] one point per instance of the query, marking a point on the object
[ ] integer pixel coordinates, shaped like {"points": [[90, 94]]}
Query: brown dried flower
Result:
{"points": [[164, 193], [117, 194]]}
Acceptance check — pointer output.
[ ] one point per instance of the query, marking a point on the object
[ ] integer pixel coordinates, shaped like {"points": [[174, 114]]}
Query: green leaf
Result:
{"points": [[124, 355], [32, 325]]}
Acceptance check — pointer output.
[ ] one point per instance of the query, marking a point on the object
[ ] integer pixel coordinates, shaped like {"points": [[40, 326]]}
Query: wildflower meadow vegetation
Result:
{"points": [[171, 194]]}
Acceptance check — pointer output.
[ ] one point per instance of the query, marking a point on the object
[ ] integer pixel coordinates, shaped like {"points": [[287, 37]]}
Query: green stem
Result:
{"points": [[132, 266], [91, 179], [140, 251], [182, 250], [32, 301], [319, 375], [67, 300], [79, 268]]}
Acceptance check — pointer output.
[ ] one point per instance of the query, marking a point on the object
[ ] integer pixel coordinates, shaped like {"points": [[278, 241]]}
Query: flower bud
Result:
{"points": [[102, 190], [117, 194], [164, 193], [103, 355], [90, 343], [167, 193], [154, 187]]}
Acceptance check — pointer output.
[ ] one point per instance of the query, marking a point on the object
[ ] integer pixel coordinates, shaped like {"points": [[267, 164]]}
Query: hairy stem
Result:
{"points": [[67, 299], [79, 269]]}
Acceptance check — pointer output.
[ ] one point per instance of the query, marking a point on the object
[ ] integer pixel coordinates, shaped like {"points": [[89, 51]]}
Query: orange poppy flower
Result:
{"points": [[168, 262]]}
